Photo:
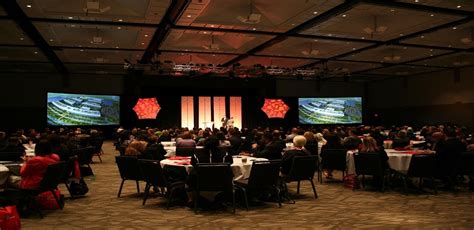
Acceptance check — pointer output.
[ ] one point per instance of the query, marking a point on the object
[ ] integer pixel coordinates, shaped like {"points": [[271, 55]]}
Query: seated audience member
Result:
{"points": [[289, 138], [165, 136], [332, 142], [448, 152], [311, 143], [57, 147], [436, 138], [34, 169], [352, 141], [319, 137], [369, 145], [154, 150], [136, 148], [14, 145], [223, 142], [186, 141], [272, 149], [401, 141], [235, 140], [298, 150]]}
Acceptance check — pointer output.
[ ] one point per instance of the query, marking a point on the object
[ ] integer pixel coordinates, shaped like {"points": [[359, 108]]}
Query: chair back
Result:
{"points": [[264, 175], [214, 177], [422, 165], [128, 168], [84, 155], [185, 152], [174, 173], [303, 168], [152, 172], [334, 159], [98, 144], [368, 164], [10, 156], [466, 164], [53, 176], [69, 169]]}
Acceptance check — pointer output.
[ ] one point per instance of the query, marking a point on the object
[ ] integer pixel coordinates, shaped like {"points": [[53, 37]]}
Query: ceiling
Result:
{"points": [[363, 39]]}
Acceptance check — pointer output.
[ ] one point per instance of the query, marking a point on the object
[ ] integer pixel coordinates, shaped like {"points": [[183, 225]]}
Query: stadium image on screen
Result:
{"points": [[347, 110], [82, 109]]}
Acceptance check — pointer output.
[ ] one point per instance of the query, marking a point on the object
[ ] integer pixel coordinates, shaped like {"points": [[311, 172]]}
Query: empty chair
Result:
{"points": [[154, 176], [302, 168], [421, 166], [129, 170], [370, 164], [84, 157], [216, 178], [264, 177], [334, 159], [98, 151]]}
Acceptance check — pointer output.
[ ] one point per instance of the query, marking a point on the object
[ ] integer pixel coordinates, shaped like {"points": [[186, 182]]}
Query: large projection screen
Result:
{"points": [[65, 109], [341, 110]]}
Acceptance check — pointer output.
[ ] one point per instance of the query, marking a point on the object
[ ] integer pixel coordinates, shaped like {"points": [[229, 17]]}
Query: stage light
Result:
{"points": [[275, 108], [147, 108]]}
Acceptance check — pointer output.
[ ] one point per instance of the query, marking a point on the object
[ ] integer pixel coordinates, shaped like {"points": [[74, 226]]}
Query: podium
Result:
{"points": [[208, 124]]}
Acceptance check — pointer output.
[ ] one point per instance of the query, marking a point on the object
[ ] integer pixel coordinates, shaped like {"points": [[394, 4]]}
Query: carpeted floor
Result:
{"points": [[336, 208]]}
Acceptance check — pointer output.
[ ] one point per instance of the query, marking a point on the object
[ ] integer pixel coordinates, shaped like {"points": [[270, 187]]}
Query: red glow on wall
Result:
{"points": [[275, 108], [147, 108]]}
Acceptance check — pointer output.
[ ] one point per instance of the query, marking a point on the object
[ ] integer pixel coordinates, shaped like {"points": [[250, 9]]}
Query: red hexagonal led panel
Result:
{"points": [[275, 108], [147, 108]]}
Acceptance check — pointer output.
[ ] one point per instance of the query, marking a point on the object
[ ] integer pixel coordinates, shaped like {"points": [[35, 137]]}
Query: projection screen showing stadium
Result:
{"points": [[341, 110], [65, 109]]}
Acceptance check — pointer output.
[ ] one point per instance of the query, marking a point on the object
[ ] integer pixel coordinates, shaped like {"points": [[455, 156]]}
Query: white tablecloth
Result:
{"points": [[171, 150], [398, 160], [241, 170]]}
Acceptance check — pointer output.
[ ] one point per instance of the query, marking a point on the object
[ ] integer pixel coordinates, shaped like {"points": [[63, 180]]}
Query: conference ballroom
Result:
{"points": [[236, 114]]}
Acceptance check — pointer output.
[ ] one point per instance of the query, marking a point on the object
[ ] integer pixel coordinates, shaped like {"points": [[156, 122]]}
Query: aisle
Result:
{"points": [[336, 206]]}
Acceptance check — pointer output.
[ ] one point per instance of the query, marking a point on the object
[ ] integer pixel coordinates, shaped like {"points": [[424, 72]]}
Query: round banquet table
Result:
{"points": [[399, 160], [241, 170]]}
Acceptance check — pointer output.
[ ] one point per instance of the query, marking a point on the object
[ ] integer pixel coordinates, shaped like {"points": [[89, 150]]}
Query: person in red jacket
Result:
{"points": [[34, 169]]}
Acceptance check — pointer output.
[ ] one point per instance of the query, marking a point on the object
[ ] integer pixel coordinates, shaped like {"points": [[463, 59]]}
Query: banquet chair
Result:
{"points": [[84, 157], [129, 170], [302, 168], [98, 149], [370, 164], [264, 177], [421, 166], [334, 159], [68, 173], [185, 152], [154, 176], [465, 166], [215, 178], [49, 183]]}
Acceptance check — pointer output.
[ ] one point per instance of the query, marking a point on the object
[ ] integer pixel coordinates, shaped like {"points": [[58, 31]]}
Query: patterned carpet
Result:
{"points": [[336, 208]]}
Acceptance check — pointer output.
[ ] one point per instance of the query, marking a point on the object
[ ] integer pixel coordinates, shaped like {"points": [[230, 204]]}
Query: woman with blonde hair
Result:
{"points": [[136, 148], [369, 145]]}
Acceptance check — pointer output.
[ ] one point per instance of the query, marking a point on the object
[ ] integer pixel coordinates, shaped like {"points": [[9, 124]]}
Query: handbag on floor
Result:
{"points": [[78, 188], [9, 218], [47, 201]]}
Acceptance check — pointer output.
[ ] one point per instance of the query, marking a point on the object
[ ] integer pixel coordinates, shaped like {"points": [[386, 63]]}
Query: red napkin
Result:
{"points": [[183, 163], [179, 158]]}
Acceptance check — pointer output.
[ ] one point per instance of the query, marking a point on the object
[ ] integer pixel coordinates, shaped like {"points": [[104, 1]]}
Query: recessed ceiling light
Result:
{"points": [[405, 47], [73, 25], [120, 20], [36, 52], [431, 55], [422, 36], [401, 35], [344, 15], [204, 32], [459, 6], [329, 35], [431, 50], [143, 43], [81, 50], [21, 39], [254, 28], [432, 15], [29, 6], [188, 16], [119, 28], [213, 55], [417, 0], [70, 17], [392, 10], [315, 12], [315, 40], [454, 27], [51, 40], [363, 37], [353, 48], [117, 47], [212, 26], [146, 35], [450, 46]]}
